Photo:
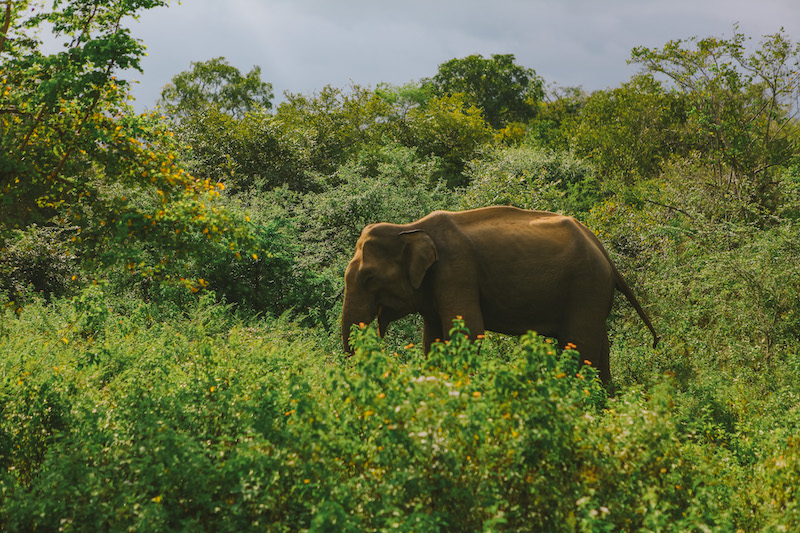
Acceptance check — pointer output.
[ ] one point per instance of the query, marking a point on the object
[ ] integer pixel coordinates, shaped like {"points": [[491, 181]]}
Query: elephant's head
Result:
{"points": [[385, 275]]}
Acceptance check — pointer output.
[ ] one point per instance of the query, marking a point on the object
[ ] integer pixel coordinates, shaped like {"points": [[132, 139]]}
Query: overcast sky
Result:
{"points": [[304, 45]]}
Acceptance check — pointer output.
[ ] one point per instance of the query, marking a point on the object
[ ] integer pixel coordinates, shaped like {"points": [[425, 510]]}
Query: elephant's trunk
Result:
{"points": [[346, 326], [354, 313]]}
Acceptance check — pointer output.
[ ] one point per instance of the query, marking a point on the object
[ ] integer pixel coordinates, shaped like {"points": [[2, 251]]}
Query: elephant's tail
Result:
{"points": [[625, 289], [622, 285]]}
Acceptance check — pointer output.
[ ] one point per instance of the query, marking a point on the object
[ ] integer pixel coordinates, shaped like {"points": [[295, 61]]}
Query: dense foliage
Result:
{"points": [[505, 91], [169, 353], [219, 84]]}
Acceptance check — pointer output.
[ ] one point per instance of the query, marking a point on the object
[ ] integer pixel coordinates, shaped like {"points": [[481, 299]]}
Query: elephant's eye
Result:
{"points": [[368, 277], [373, 282]]}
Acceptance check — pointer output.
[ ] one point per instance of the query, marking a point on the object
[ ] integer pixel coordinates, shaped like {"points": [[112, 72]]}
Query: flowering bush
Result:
{"points": [[206, 423]]}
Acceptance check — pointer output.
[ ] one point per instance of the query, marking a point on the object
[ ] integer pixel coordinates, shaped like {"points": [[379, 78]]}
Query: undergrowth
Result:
{"points": [[154, 419]]}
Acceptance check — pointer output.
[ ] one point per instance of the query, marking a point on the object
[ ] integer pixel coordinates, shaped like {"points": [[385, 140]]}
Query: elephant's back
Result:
{"points": [[511, 245], [504, 227], [498, 214], [506, 241]]}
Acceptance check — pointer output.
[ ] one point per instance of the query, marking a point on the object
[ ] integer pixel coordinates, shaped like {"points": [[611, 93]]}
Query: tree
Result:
{"points": [[406, 97], [74, 157], [331, 126], [505, 91], [452, 129], [216, 83], [742, 108], [57, 112], [247, 153], [631, 130], [556, 116]]}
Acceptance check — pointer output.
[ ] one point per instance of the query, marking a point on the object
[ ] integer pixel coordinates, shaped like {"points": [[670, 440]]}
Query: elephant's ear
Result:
{"points": [[420, 254]]}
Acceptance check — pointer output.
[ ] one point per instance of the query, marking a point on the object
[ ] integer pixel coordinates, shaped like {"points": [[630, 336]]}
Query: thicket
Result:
{"points": [[169, 353]]}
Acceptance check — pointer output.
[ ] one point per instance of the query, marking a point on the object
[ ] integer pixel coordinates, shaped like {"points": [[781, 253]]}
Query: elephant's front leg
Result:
{"points": [[473, 321], [431, 332], [470, 314]]}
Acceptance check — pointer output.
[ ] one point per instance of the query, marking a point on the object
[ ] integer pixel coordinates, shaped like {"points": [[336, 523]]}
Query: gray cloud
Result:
{"points": [[303, 45]]}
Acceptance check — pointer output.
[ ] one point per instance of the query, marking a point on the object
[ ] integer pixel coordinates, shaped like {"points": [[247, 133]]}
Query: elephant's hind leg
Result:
{"points": [[593, 346]]}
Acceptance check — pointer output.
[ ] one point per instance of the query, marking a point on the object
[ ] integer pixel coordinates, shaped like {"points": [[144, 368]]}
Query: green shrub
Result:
{"points": [[165, 429], [532, 178], [37, 261], [458, 441], [189, 418], [250, 153], [269, 278], [394, 185]]}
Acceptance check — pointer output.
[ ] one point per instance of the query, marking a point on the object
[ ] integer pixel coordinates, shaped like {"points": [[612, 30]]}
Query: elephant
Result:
{"points": [[500, 268]]}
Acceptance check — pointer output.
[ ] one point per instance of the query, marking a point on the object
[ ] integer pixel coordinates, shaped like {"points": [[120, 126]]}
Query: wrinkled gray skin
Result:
{"points": [[502, 269]]}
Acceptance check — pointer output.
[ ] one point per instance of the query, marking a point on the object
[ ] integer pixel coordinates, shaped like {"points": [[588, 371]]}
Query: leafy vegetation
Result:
{"points": [[218, 84], [169, 351], [505, 91]]}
